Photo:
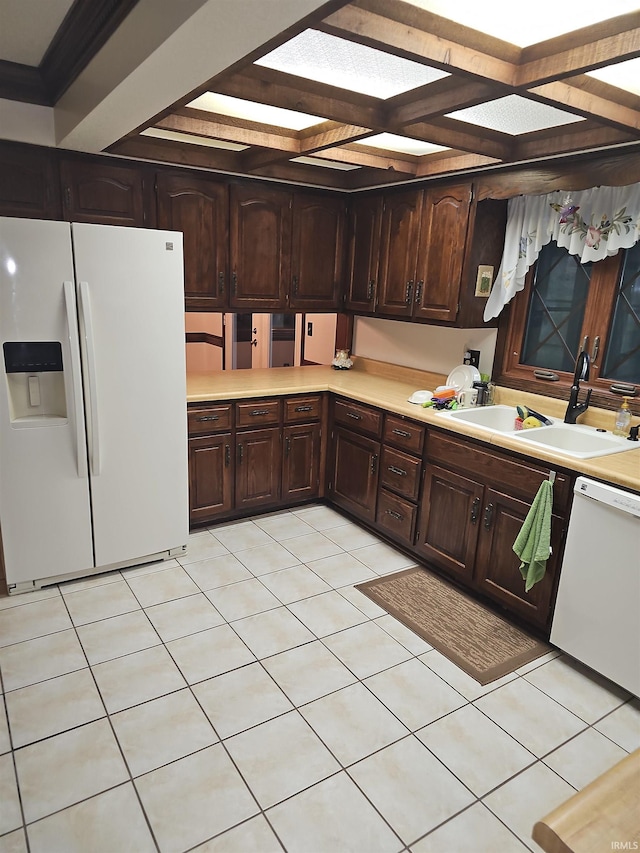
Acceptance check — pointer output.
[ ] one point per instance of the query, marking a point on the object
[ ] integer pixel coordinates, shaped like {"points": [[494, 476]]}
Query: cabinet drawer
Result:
{"points": [[520, 477], [209, 419], [404, 434], [396, 515], [360, 418], [300, 409], [400, 473], [257, 412]]}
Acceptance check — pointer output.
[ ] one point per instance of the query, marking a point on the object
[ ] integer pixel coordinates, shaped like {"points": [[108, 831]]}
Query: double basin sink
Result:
{"points": [[576, 440]]}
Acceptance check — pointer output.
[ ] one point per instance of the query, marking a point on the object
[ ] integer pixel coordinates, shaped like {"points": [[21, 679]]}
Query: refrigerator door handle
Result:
{"points": [[76, 375], [85, 313]]}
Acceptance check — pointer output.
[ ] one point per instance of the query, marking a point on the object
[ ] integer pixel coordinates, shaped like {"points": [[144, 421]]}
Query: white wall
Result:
{"points": [[321, 346], [26, 123], [435, 348]]}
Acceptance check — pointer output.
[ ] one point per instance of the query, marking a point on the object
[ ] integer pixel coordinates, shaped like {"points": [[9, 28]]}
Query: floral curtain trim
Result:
{"points": [[592, 223]]}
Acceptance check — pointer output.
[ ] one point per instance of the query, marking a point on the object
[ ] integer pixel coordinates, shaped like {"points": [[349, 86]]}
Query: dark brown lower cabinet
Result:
{"points": [[354, 475], [301, 462], [258, 460], [211, 469]]}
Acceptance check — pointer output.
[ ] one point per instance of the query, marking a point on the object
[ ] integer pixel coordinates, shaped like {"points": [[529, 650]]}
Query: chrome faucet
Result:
{"points": [[575, 409]]}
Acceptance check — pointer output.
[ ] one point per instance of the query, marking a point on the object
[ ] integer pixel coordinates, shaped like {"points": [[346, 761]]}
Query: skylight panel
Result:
{"points": [[252, 111], [515, 115], [525, 25], [401, 144], [326, 164], [192, 139], [624, 75], [348, 65]]}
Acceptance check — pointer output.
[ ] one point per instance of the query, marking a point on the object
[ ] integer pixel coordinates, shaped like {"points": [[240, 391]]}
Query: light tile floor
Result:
{"points": [[249, 698]]}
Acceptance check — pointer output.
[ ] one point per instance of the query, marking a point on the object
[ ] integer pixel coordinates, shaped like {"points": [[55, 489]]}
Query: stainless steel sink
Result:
{"points": [[575, 440]]}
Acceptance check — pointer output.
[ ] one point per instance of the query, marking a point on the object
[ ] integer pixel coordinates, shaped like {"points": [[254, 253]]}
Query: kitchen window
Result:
{"points": [[566, 307]]}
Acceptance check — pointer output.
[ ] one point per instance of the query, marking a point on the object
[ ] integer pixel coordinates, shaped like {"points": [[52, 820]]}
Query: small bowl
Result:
{"points": [[420, 397]]}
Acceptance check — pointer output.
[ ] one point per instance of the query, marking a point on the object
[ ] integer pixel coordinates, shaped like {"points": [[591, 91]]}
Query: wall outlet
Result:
{"points": [[472, 357]]}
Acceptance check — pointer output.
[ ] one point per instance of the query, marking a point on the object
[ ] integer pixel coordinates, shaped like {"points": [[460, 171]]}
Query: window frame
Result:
{"points": [[597, 322]]}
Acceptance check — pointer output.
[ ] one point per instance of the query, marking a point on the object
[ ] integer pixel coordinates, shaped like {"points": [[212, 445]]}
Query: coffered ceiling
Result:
{"points": [[373, 92]]}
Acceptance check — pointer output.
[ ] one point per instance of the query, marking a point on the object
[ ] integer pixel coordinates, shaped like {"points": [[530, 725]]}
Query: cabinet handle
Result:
{"points": [[397, 471], [240, 453], [209, 418], [419, 292], [221, 283], [393, 514], [354, 416], [227, 455], [408, 291], [370, 288], [234, 282], [287, 446], [585, 344], [475, 510], [620, 388], [374, 463], [67, 197], [596, 348], [303, 408], [295, 285], [546, 374], [488, 514], [258, 412], [402, 433]]}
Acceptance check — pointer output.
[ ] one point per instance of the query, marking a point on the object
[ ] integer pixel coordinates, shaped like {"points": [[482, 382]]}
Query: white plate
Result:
{"points": [[420, 397], [463, 376]]}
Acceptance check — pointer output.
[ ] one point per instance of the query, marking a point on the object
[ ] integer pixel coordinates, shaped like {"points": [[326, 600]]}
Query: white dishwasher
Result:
{"points": [[596, 618]]}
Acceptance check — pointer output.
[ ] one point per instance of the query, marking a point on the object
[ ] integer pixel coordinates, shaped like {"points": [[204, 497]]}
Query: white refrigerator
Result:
{"points": [[93, 434]]}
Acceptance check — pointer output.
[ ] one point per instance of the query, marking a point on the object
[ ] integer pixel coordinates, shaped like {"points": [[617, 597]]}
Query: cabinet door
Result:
{"points": [[318, 252], [29, 183], [258, 466], [354, 476], [443, 234], [497, 567], [301, 462], [198, 208], [210, 477], [365, 223], [260, 231], [399, 250], [97, 192], [450, 518]]}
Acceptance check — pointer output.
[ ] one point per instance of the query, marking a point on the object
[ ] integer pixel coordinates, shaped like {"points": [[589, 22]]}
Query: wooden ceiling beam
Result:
{"points": [[330, 134], [371, 159], [439, 98], [467, 137], [431, 165], [229, 132], [551, 143], [380, 32], [564, 94]]}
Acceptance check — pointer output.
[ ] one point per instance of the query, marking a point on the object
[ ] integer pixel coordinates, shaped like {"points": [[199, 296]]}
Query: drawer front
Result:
{"points": [[396, 515], [358, 417], [400, 472], [257, 413], [404, 434], [208, 420], [300, 409], [521, 477]]}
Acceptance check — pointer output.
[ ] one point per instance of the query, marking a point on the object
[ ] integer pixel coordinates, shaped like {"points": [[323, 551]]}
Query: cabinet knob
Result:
{"points": [[488, 514], [370, 289], [240, 453], [419, 287], [287, 446], [374, 463], [475, 510], [408, 292], [227, 455], [221, 283]]}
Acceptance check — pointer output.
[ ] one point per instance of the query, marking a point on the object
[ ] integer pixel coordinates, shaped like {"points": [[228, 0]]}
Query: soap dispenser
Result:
{"points": [[623, 418]]}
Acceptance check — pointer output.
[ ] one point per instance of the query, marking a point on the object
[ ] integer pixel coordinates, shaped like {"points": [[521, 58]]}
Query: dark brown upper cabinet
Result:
{"points": [[200, 209], [317, 261], [260, 246], [29, 183], [93, 191], [399, 253], [365, 223], [443, 232]]}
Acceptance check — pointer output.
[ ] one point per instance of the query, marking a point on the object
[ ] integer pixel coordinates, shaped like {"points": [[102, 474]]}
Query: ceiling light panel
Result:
{"points": [[624, 75], [514, 115], [401, 144], [252, 111], [508, 22], [326, 164], [356, 67], [190, 138]]}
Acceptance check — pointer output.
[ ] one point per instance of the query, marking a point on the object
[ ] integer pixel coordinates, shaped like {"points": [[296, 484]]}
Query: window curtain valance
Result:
{"points": [[591, 223]]}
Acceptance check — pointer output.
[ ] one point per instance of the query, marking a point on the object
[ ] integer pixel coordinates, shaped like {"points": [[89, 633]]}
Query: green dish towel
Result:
{"points": [[533, 543]]}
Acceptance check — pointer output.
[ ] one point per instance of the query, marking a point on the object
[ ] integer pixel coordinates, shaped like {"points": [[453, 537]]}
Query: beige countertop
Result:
{"points": [[389, 387]]}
